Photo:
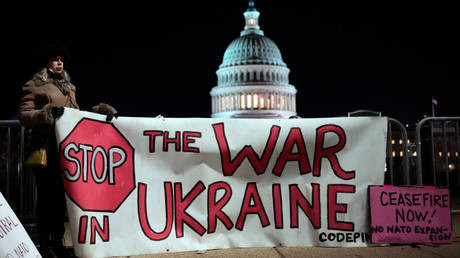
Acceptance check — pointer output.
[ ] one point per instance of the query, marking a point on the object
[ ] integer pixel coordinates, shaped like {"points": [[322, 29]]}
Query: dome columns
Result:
{"points": [[249, 74]]}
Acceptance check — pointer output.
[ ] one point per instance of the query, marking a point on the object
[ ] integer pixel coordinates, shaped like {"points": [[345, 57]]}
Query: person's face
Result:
{"points": [[56, 64]]}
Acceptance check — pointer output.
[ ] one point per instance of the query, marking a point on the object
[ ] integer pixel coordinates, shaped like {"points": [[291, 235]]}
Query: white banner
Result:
{"points": [[153, 185], [14, 240]]}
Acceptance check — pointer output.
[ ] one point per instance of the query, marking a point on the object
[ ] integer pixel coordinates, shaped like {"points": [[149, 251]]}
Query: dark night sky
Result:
{"points": [[149, 58]]}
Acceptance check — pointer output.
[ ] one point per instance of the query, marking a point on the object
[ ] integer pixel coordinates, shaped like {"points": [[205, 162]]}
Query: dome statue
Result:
{"points": [[253, 80]]}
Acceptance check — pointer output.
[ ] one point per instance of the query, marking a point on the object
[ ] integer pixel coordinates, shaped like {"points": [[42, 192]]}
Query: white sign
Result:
{"points": [[153, 185], [14, 240]]}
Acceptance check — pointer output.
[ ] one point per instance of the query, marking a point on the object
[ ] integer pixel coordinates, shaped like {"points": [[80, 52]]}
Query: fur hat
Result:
{"points": [[51, 50]]}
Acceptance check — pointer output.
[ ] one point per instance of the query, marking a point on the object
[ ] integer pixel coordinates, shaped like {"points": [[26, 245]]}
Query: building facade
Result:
{"points": [[253, 80]]}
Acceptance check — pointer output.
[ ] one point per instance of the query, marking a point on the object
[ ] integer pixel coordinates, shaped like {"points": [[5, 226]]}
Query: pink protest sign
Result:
{"points": [[410, 215]]}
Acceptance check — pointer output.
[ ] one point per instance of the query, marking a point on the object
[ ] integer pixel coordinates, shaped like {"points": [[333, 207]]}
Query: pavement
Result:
{"points": [[406, 251]]}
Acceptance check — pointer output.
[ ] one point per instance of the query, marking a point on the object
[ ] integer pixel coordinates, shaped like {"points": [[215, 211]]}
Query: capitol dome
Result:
{"points": [[253, 80], [252, 49]]}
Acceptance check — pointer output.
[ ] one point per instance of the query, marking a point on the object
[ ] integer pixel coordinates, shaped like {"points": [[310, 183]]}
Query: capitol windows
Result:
{"points": [[254, 101], [222, 104], [248, 101], [262, 101], [226, 103], [272, 99]]}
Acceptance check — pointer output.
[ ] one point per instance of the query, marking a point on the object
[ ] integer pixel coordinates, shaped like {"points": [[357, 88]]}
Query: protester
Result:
{"points": [[42, 101]]}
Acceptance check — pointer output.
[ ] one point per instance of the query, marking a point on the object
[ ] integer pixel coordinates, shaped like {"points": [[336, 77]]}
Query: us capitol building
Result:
{"points": [[253, 80]]}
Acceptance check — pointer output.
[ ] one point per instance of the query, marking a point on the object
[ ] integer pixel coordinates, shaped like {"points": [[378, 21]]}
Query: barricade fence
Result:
{"points": [[429, 159], [398, 170], [17, 183], [438, 138], [438, 147]]}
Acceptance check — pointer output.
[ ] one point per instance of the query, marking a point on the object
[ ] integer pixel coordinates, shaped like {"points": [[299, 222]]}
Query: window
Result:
{"points": [[272, 98], [249, 101], [222, 104], [255, 101]]}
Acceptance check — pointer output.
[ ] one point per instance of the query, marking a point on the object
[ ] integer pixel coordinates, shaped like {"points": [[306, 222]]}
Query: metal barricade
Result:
{"points": [[11, 171], [404, 150], [17, 185], [444, 154], [441, 162]]}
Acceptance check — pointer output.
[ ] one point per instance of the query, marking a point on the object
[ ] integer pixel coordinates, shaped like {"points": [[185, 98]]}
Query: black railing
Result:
{"points": [[404, 176], [438, 141], [17, 183]]}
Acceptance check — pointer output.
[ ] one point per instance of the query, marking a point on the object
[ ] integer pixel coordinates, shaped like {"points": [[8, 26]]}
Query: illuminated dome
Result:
{"points": [[253, 80], [252, 49]]}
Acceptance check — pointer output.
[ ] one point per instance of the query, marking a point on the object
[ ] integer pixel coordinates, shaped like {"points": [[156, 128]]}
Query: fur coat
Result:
{"points": [[44, 91]]}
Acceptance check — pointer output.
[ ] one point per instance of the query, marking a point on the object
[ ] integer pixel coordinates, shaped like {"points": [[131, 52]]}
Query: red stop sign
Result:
{"points": [[97, 166]]}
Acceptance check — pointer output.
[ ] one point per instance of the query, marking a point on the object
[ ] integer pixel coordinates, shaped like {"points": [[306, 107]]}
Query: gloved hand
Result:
{"points": [[57, 112], [110, 116], [105, 109]]}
